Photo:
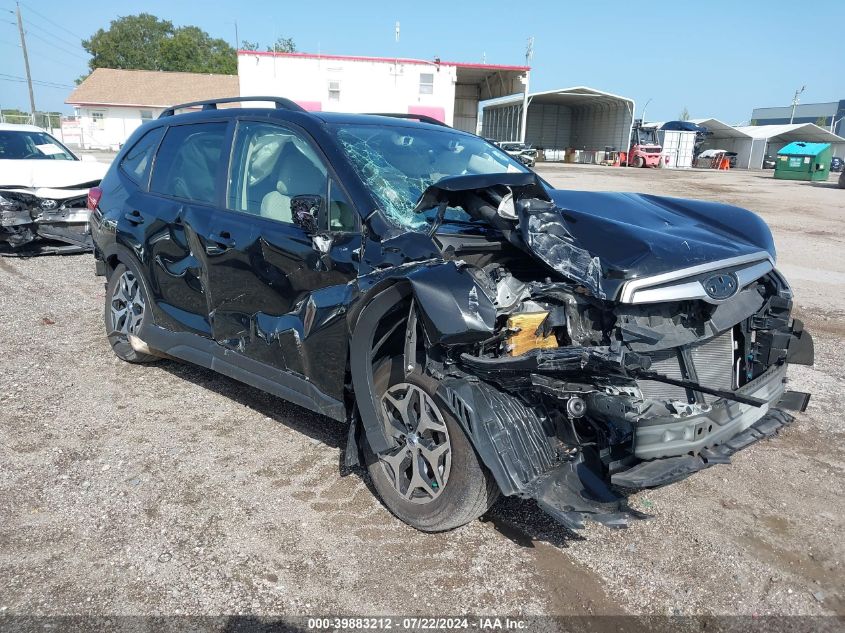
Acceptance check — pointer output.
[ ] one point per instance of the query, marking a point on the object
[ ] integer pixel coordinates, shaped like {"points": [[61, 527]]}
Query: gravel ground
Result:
{"points": [[168, 489]]}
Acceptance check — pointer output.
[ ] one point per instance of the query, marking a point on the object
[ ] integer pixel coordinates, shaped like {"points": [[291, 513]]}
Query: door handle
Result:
{"points": [[223, 238], [134, 217]]}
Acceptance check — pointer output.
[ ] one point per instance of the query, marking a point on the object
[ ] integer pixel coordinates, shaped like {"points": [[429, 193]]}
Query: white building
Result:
{"points": [[109, 104], [447, 91]]}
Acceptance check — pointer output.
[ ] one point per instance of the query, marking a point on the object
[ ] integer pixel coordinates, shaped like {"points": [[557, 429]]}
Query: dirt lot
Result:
{"points": [[169, 489]]}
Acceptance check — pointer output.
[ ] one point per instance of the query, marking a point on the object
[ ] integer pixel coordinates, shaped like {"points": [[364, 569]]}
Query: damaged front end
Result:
{"points": [[595, 376], [45, 220]]}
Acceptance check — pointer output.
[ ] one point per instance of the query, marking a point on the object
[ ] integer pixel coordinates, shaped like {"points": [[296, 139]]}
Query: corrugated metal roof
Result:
{"points": [[798, 148], [576, 95], [721, 129], [792, 132]]}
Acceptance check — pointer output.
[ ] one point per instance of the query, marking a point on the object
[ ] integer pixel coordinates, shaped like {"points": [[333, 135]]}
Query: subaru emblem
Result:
{"points": [[721, 286]]}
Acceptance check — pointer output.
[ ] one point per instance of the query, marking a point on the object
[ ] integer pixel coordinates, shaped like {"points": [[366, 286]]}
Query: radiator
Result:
{"points": [[713, 361]]}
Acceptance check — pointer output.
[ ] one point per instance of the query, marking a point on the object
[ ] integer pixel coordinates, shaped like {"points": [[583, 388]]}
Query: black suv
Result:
{"points": [[480, 332]]}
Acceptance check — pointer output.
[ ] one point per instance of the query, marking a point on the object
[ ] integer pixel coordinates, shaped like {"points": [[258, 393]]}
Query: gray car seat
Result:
{"points": [[298, 175]]}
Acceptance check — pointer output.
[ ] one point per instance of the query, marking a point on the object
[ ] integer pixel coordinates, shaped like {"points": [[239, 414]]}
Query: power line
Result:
{"points": [[39, 84], [53, 60], [80, 38], [61, 39], [53, 84], [57, 47]]}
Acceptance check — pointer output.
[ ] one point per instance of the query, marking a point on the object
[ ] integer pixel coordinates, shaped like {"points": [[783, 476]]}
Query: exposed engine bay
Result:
{"points": [[596, 377], [45, 220]]}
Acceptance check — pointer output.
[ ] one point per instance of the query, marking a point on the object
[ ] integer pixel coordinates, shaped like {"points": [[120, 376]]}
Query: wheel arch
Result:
{"points": [[450, 307]]}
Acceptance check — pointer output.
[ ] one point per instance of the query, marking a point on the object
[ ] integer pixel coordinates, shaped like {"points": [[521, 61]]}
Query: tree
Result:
{"points": [[144, 42], [249, 46], [132, 42], [821, 121], [283, 45], [190, 49], [684, 115]]}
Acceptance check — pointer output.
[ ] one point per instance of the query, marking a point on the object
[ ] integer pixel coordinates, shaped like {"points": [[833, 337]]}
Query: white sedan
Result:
{"points": [[43, 193]]}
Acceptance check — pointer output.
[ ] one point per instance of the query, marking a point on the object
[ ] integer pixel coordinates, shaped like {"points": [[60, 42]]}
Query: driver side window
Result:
{"points": [[271, 165]]}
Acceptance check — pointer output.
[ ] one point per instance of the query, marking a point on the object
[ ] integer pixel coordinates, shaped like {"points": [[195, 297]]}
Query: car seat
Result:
{"points": [[298, 175]]}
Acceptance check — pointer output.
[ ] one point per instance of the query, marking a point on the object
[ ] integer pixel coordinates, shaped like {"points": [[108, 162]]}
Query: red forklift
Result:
{"points": [[644, 148]]}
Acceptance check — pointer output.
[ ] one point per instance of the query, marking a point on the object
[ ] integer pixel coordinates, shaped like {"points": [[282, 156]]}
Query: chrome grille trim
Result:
{"points": [[645, 291]]}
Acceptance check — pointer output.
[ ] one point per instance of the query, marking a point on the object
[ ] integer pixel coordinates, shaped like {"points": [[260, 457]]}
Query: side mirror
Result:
{"points": [[305, 211]]}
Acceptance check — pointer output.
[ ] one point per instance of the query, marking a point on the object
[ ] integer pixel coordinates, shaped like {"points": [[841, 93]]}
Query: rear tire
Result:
{"points": [[126, 310], [468, 489], [639, 161], [842, 180]]}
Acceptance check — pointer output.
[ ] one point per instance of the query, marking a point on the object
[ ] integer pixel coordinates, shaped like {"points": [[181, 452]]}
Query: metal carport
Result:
{"points": [[731, 139], [771, 138], [578, 117]]}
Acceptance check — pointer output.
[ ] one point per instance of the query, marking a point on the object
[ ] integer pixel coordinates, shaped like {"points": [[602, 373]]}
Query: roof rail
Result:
{"points": [[211, 104], [422, 118]]}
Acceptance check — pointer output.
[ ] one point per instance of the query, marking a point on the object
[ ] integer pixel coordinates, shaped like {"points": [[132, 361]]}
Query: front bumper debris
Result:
{"points": [[660, 472], [31, 224]]}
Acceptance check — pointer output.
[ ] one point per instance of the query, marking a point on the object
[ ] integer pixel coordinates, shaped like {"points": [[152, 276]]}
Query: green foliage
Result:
{"points": [[249, 46], [190, 49], [821, 121], [283, 45], [42, 119], [144, 42]]}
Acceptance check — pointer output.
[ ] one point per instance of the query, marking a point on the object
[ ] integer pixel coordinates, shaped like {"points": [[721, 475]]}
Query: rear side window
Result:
{"points": [[138, 160], [187, 162]]}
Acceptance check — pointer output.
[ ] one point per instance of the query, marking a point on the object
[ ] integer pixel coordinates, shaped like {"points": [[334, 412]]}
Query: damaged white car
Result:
{"points": [[43, 193]]}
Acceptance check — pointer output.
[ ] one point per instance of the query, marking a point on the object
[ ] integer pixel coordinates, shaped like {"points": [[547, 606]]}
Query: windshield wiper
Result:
{"points": [[438, 219]]}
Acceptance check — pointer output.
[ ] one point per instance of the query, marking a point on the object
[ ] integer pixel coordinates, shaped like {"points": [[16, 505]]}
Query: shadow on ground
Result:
{"points": [[519, 520]]}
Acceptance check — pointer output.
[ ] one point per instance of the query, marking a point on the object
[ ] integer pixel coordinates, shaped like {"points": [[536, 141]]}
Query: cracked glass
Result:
{"points": [[398, 163]]}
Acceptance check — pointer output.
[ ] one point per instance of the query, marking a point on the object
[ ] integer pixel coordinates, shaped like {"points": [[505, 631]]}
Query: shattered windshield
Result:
{"points": [[16, 145], [398, 163]]}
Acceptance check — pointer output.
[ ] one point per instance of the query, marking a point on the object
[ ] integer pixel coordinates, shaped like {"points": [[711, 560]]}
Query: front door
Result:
{"points": [[277, 287]]}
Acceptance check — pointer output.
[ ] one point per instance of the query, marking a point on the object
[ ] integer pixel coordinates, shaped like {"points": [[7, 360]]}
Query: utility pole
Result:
{"points": [[26, 63], [529, 55], [795, 103]]}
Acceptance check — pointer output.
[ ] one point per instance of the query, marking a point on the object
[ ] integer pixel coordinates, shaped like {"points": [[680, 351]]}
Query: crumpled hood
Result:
{"points": [[33, 174], [614, 237]]}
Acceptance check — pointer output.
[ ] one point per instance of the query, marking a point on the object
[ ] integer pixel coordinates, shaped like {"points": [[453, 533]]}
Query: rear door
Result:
{"points": [[186, 186], [277, 288]]}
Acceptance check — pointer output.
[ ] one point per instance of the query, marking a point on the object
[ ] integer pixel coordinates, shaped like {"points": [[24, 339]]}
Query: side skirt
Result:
{"points": [[207, 353]]}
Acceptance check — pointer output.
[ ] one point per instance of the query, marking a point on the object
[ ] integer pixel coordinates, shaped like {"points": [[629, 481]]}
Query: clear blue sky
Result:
{"points": [[719, 59]]}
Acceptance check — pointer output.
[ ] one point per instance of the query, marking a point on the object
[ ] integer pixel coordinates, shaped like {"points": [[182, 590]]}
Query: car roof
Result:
{"points": [[345, 118], [20, 127], [349, 118]]}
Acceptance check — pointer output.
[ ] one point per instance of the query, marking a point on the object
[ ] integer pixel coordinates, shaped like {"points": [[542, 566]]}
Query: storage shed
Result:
{"points": [[749, 152], [754, 142], [803, 161], [577, 118], [678, 148], [770, 139]]}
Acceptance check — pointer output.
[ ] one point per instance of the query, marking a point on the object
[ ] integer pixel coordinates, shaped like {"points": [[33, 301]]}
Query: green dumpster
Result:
{"points": [[803, 161]]}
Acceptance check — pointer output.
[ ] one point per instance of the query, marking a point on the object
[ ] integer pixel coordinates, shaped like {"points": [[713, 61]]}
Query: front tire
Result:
{"points": [[126, 310], [639, 162], [433, 479]]}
